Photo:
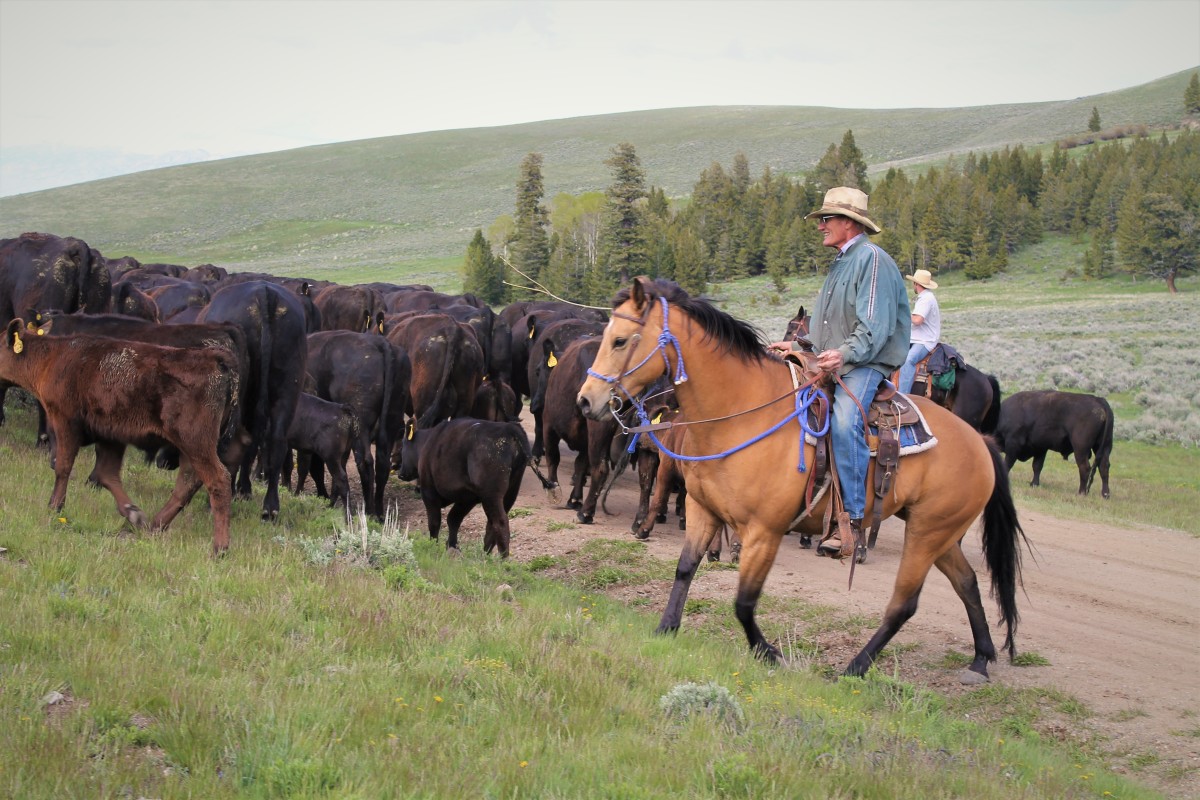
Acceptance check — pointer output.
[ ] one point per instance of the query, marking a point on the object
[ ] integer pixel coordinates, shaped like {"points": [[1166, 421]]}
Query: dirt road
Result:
{"points": [[1115, 612]]}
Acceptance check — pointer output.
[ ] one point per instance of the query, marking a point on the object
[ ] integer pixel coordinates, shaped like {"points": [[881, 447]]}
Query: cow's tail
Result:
{"points": [[265, 344], [383, 439], [528, 454], [1002, 539], [1103, 447], [991, 418], [619, 467], [434, 413]]}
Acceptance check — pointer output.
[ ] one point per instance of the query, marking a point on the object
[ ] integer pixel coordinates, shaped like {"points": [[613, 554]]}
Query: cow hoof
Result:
{"points": [[574, 503], [714, 556], [860, 554], [805, 541], [270, 516], [643, 535], [585, 519], [660, 517], [454, 552], [137, 517], [971, 678]]}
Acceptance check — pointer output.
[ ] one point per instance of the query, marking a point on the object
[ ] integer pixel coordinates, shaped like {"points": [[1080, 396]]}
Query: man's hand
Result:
{"points": [[831, 360], [780, 348]]}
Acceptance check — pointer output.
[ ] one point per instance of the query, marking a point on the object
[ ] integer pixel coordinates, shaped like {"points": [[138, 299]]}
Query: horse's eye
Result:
{"points": [[620, 342]]}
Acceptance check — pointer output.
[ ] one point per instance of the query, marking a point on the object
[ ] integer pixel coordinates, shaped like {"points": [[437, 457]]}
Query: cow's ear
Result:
{"points": [[12, 338]]}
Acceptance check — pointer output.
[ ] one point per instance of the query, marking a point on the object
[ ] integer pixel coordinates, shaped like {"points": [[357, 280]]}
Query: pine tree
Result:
{"points": [[1094, 122], [530, 248], [1191, 95], [854, 166], [623, 243], [483, 272]]}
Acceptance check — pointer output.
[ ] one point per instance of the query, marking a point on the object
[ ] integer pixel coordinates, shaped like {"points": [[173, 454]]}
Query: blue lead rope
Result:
{"points": [[804, 399]]}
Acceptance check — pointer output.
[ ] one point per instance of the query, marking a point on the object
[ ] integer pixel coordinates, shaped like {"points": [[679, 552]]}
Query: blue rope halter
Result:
{"points": [[804, 399]]}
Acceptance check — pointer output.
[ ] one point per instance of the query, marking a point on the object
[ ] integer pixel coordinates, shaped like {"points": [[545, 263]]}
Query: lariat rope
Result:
{"points": [[805, 397]]}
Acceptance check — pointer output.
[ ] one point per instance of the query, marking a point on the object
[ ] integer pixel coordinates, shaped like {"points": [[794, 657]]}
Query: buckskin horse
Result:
{"points": [[742, 467]]}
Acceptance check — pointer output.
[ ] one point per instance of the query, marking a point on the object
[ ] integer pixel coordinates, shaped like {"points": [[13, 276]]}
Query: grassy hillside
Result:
{"points": [[416, 199]]}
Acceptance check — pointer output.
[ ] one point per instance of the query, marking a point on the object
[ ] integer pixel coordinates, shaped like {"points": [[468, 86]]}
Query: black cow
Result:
{"points": [[274, 323], [41, 271], [463, 463], [371, 375], [447, 364], [327, 431], [562, 421], [545, 349], [1032, 423], [116, 392], [349, 308]]}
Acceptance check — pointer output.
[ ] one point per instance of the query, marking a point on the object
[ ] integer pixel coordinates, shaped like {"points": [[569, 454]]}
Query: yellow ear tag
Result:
{"points": [[412, 429], [18, 345], [41, 331], [552, 361], [531, 333], [657, 419]]}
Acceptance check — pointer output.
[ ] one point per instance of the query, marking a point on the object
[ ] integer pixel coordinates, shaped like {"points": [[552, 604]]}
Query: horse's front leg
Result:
{"points": [[759, 548], [695, 545]]}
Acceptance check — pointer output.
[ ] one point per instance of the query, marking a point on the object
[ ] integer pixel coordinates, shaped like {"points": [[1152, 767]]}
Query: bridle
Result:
{"points": [[805, 395]]}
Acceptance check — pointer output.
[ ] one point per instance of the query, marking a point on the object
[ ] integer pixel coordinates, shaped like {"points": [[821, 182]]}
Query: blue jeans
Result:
{"points": [[909, 369], [851, 454]]}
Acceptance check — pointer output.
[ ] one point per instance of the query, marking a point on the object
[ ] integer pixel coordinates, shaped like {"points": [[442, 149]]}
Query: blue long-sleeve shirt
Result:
{"points": [[862, 310]]}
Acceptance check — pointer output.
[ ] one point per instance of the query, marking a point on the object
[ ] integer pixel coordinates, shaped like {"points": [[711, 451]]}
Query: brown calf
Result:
{"points": [[119, 392]]}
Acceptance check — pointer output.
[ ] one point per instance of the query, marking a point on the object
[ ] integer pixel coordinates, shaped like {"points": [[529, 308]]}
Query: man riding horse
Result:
{"points": [[860, 330]]}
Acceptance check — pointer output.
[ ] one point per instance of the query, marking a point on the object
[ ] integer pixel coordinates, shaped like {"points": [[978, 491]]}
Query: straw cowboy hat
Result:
{"points": [[846, 202], [922, 278]]}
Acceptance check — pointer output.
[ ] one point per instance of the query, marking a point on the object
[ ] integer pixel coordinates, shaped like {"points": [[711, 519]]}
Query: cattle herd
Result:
{"points": [[224, 376]]}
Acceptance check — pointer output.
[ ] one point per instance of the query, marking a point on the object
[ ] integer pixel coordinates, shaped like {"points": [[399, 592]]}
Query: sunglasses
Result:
{"points": [[825, 219]]}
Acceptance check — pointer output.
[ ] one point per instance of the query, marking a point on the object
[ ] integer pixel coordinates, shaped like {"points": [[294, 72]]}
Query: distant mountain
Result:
{"points": [[418, 198]]}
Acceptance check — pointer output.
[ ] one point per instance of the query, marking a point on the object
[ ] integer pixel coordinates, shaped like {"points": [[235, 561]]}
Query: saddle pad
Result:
{"points": [[914, 438]]}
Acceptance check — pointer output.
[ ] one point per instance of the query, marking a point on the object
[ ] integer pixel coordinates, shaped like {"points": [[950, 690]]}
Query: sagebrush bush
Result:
{"points": [[709, 699]]}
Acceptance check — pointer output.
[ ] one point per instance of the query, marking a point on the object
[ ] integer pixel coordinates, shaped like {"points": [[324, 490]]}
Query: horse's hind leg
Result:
{"points": [[695, 545], [954, 565]]}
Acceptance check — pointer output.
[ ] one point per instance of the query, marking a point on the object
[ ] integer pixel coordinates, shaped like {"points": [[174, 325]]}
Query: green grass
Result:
{"points": [[262, 675]]}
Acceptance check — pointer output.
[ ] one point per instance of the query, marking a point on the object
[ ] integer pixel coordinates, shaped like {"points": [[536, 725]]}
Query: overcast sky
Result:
{"points": [[139, 83]]}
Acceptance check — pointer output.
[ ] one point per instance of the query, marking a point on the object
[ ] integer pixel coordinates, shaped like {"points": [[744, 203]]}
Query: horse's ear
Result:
{"points": [[638, 292], [800, 313]]}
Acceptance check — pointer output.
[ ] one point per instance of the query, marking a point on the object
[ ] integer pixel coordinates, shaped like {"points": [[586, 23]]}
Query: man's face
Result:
{"points": [[837, 230]]}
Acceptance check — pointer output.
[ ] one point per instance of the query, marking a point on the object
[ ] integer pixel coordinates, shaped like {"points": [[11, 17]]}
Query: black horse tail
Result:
{"points": [[991, 418], [1002, 538]]}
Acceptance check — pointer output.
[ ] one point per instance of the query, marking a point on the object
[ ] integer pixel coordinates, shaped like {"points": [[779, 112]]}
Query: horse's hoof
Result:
{"points": [[971, 678]]}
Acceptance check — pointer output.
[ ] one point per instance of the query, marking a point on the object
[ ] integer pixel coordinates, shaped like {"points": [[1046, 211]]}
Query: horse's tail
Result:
{"points": [[991, 417], [1002, 538]]}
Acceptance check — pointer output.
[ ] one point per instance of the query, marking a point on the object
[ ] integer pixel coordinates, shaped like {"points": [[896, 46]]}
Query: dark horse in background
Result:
{"points": [[975, 398]]}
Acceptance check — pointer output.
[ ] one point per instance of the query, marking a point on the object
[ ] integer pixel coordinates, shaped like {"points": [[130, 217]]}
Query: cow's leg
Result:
{"points": [[66, 448], [454, 519], [599, 477], [647, 467], [364, 460], [272, 464], [187, 483], [1084, 466], [1102, 466], [303, 468], [433, 511], [553, 456], [1038, 462], [541, 446], [658, 503], [316, 469], [339, 483], [577, 480], [204, 470], [107, 473], [382, 473], [496, 534]]}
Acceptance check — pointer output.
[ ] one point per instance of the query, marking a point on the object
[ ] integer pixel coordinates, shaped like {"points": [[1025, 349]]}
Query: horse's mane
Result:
{"points": [[732, 335]]}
